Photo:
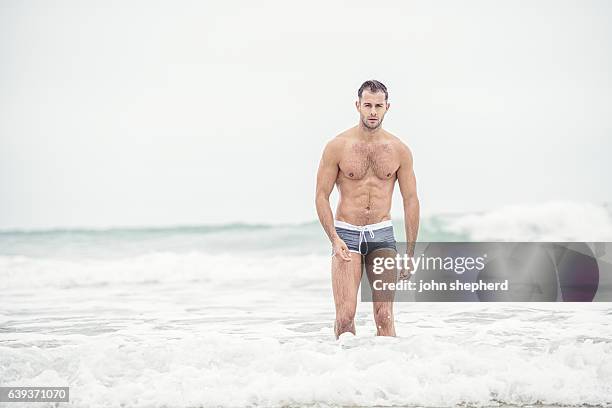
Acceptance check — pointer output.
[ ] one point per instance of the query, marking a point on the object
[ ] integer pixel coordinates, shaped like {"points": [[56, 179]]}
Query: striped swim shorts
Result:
{"points": [[363, 239]]}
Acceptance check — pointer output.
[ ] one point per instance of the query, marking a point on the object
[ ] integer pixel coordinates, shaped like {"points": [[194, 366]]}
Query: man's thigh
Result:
{"points": [[388, 275], [345, 280]]}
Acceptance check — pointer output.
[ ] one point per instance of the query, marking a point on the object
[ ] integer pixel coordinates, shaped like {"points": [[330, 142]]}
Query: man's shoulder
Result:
{"points": [[346, 135], [340, 140], [399, 144]]}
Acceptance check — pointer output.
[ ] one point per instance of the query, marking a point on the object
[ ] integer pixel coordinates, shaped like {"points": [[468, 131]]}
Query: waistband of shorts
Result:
{"points": [[369, 227]]}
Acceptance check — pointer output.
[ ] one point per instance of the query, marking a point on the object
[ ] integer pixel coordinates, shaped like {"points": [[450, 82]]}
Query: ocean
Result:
{"points": [[242, 315]]}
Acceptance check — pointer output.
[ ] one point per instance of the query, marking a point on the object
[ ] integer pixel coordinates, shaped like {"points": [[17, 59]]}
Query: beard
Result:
{"points": [[370, 126]]}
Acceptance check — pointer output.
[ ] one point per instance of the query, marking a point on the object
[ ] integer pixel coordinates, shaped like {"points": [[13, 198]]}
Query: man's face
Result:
{"points": [[372, 108]]}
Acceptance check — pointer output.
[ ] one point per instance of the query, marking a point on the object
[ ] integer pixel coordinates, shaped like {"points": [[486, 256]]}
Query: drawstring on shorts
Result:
{"points": [[362, 237]]}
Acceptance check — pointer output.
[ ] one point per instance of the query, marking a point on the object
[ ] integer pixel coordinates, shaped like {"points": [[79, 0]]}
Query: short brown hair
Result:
{"points": [[373, 86]]}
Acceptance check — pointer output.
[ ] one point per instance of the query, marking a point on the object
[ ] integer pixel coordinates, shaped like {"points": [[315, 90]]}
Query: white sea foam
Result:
{"points": [[161, 268], [553, 221], [175, 330], [446, 356]]}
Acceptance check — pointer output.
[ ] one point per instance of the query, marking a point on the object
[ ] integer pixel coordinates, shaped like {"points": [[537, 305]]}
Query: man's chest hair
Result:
{"points": [[361, 158]]}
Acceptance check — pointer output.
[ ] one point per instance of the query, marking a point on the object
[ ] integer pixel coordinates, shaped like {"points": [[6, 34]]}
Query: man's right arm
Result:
{"points": [[326, 178]]}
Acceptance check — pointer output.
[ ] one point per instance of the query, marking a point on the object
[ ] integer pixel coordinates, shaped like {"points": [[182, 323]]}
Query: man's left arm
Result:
{"points": [[407, 183]]}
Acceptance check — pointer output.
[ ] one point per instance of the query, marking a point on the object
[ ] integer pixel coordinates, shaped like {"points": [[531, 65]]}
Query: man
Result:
{"points": [[364, 162]]}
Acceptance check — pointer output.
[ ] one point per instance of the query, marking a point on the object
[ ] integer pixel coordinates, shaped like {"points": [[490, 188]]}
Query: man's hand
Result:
{"points": [[341, 250], [406, 270]]}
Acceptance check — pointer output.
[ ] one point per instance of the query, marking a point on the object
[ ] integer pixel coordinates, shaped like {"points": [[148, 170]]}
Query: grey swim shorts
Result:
{"points": [[363, 239]]}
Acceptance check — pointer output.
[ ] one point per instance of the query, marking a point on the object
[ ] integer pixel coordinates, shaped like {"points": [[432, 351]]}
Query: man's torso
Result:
{"points": [[366, 177]]}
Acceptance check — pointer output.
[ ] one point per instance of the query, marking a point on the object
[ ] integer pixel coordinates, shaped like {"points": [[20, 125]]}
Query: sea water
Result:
{"points": [[242, 315]]}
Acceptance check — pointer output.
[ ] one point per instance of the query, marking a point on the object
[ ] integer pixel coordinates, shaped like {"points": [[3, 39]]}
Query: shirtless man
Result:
{"points": [[364, 162]]}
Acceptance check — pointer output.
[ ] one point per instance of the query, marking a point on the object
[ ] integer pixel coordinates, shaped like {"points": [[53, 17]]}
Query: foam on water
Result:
{"points": [[446, 356], [176, 330], [554, 221]]}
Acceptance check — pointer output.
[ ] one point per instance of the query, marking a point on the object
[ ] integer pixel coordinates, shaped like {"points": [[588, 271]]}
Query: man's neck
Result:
{"points": [[365, 133]]}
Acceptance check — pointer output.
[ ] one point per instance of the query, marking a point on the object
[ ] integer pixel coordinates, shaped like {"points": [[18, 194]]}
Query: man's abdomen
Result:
{"points": [[363, 206]]}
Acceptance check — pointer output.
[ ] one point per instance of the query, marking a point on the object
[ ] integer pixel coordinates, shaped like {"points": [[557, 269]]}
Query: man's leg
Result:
{"points": [[345, 284], [382, 301]]}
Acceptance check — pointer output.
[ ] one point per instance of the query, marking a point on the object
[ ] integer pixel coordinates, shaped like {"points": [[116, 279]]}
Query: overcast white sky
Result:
{"points": [[175, 112]]}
